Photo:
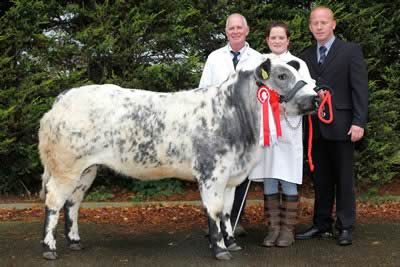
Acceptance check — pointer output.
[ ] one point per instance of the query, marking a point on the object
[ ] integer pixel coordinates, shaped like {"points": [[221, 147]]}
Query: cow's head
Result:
{"points": [[297, 96]]}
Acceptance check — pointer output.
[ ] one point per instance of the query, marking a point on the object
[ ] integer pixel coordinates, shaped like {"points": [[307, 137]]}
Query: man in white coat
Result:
{"points": [[237, 54], [282, 162]]}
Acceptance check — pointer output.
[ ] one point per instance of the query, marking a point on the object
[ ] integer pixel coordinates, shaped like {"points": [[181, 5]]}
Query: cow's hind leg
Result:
{"points": [[71, 208], [226, 225], [213, 200], [58, 190]]}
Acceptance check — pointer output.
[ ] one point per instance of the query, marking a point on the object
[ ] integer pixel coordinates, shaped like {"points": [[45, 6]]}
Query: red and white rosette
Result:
{"points": [[270, 128]]}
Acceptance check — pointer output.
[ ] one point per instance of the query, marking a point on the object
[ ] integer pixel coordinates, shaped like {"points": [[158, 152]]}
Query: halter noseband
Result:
{"points": [[286, 98]]}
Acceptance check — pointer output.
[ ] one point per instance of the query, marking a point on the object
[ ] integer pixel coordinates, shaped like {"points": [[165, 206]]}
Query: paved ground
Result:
{"points": [[375, 244]]}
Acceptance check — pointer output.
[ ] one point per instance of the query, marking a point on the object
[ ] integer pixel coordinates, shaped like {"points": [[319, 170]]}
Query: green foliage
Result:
{"points": [[49, 46], [373, 198], [99, 194], [380, 162], [165, 187]]}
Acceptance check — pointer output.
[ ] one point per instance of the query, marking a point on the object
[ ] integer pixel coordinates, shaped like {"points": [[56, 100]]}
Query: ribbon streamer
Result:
{"points": [[269, 98]]}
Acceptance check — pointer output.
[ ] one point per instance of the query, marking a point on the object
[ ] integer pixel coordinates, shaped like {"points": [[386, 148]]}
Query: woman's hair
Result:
{"points": [[278, 24]]}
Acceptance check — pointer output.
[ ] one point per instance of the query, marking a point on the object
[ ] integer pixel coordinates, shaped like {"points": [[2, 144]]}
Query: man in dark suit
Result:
{"points": [[339, 65]]}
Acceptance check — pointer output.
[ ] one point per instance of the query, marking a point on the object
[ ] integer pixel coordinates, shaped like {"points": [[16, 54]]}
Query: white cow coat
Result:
{"points": [[284, 160], [219, 64]]}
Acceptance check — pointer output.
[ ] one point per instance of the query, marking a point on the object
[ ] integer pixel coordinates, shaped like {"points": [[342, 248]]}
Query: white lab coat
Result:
{"points": [[284, 160], [219, 64]]}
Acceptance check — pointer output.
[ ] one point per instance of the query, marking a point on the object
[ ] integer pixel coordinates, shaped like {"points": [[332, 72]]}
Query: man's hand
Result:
{"points": [[356, 133], [321, 93]]}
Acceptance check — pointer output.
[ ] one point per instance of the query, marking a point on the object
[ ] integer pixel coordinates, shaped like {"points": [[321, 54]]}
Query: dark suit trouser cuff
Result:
{"points": [[238, 199]]}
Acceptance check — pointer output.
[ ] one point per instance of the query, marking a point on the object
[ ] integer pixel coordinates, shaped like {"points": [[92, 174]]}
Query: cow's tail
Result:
{"points": [[45, 179]]}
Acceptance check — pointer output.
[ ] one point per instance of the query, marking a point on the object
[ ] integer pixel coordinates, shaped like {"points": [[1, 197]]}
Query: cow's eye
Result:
{"points": [[282, 76]]}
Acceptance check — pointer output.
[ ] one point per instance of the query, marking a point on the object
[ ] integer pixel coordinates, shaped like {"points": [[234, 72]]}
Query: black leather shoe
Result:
{"points": [[314, 232], [345, 238]]}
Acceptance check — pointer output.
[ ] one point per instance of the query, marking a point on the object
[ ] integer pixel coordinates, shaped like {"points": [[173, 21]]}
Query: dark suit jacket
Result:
{"points": [[345, 72]]}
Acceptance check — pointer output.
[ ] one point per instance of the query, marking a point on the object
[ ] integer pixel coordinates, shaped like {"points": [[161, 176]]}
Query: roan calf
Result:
{"points": [[209, 135]]}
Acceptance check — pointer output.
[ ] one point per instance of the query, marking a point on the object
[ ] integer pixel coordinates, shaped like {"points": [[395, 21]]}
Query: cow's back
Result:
{"points": [[132, 131]]}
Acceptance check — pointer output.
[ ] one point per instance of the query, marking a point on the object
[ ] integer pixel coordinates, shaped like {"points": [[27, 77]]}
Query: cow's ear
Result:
{"points": [[295, 64], [264, 70]]}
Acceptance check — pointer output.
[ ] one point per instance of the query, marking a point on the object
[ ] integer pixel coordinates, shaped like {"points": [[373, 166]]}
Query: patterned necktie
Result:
{"points": [[235, 58], [322, 54]]}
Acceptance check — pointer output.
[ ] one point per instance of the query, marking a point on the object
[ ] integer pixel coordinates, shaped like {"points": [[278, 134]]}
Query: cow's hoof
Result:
{"points": [[76, 246], [50, 255], [223, 255], [234, 247]]}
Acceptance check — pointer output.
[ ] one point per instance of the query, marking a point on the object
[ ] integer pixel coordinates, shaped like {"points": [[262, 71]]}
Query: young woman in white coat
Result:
{"points": [[282, 163]]}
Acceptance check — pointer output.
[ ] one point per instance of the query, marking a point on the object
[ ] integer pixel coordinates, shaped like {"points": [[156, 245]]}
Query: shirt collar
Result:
{"points": [[242, 50], [327, 44]]}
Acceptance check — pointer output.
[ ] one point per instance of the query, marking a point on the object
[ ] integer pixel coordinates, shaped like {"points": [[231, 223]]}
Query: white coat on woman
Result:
{"points": [[284, 160]]}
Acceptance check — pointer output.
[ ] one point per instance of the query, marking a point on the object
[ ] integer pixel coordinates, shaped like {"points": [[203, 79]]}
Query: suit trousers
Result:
{"points": [[334, 180], [240, 195]]}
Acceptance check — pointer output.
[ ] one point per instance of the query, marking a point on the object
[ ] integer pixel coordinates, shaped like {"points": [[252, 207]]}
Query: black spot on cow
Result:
{"points": [[133, 144], [67, 218], [148, 121], [183, 129], [78, 187], [57, 130], [146, 153], [95, 139], [207, 150], [203, 122], [85, 172], [213, 122], [205, 160], [195, 110], [239, 126], [213, 106], [120, 143], [173, 151], [77, 135]]}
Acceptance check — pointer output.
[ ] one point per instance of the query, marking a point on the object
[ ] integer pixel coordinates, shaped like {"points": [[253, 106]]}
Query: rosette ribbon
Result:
{"points": [[269, 100]]}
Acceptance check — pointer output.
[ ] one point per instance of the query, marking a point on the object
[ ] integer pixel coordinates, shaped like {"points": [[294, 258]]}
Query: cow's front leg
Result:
{"points": [[212, 196], [227, 227]]}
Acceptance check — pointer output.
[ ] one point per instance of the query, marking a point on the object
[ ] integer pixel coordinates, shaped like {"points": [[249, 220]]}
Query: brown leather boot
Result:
{"points": [[289, 209], [272, 214]]}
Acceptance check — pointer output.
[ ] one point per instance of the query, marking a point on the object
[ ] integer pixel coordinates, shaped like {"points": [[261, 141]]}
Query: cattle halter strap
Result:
{"points": [[286, 98]]}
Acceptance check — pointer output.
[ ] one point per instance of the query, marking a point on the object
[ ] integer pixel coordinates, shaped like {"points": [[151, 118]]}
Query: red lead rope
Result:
{"points": [[326, 100]]}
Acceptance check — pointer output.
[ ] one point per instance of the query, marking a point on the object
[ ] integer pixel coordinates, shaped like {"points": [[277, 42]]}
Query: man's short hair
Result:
{"points": [[236, 14]]}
